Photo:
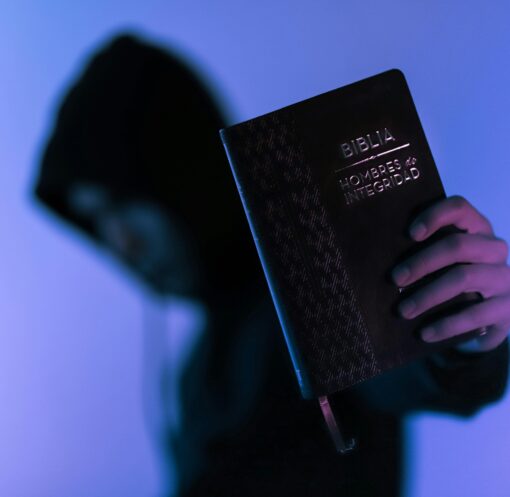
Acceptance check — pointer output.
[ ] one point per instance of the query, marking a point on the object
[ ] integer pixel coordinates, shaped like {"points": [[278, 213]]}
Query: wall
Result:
{"points": [[71, 421]]}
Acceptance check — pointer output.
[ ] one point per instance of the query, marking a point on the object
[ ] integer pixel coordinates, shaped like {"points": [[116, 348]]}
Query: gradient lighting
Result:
{"points": [[71, 420]]}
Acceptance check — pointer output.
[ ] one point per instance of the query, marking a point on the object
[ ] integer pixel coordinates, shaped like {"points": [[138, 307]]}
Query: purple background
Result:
{"points": [[71, 420]]}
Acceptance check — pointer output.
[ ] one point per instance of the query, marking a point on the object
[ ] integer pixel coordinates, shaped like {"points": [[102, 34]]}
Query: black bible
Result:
{"points": [[330, 186]]}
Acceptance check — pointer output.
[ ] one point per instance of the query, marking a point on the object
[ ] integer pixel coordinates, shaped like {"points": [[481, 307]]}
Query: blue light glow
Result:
{"points": [[71, 421]]}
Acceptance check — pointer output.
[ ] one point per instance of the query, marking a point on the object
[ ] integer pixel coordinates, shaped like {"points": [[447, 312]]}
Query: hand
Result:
{"points": [[483, 268]]}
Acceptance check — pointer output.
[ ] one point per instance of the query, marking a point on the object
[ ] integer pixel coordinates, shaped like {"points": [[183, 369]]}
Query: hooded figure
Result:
{"points": [[136, 163], [139, 126]]}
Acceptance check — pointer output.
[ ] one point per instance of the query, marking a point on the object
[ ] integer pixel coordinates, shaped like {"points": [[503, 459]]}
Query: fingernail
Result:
{"points": [[417, 231], [400, 274], [428, 334], [407, 307]]}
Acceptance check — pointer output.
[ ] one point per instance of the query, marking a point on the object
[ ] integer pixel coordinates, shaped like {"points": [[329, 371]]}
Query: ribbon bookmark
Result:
{"points": [[341, 446]]}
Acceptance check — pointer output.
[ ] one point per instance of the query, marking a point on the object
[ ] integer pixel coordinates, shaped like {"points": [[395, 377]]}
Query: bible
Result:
{"points": [[330, 186]]}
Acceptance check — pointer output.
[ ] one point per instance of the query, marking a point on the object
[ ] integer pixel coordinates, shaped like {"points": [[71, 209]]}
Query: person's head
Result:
{"points": [[136, 162]]}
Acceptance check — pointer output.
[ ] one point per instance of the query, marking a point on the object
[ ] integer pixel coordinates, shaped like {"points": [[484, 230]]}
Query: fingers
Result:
{"points": [[456, 248], [455, 210], [480, 260], [492, 313], [488, 279]]}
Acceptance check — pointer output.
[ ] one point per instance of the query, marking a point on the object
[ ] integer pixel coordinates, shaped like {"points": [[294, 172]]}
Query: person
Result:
{"points": [[135, 162]]}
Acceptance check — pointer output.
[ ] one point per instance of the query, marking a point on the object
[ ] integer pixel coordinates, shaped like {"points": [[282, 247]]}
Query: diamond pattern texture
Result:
{"points": [[302, 255]]}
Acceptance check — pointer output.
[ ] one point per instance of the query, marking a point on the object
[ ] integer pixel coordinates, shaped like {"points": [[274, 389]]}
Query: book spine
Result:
{"points": [[272, 280]]}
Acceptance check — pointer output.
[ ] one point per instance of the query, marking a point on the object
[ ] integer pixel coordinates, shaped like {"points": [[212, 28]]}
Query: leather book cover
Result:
{"points": [[330, 186]]}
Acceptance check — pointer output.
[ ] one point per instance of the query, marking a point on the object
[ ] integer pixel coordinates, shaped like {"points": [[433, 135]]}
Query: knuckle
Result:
{"points": [[461, 276], [455, 242], [485, 221], [472, 315], [502, 247], [421, 265], [459, 202], [443, 326], [421, 298]]}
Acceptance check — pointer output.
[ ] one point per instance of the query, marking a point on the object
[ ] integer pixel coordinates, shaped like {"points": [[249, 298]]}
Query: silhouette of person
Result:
{"points": [[135, 162]]}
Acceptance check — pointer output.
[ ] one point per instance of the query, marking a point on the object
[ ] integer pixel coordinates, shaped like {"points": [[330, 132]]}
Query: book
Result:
{"points": [[330, 186]]}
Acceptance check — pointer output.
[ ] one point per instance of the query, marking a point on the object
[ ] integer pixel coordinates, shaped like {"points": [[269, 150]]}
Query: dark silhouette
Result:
{"points": [[135, 162]]}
